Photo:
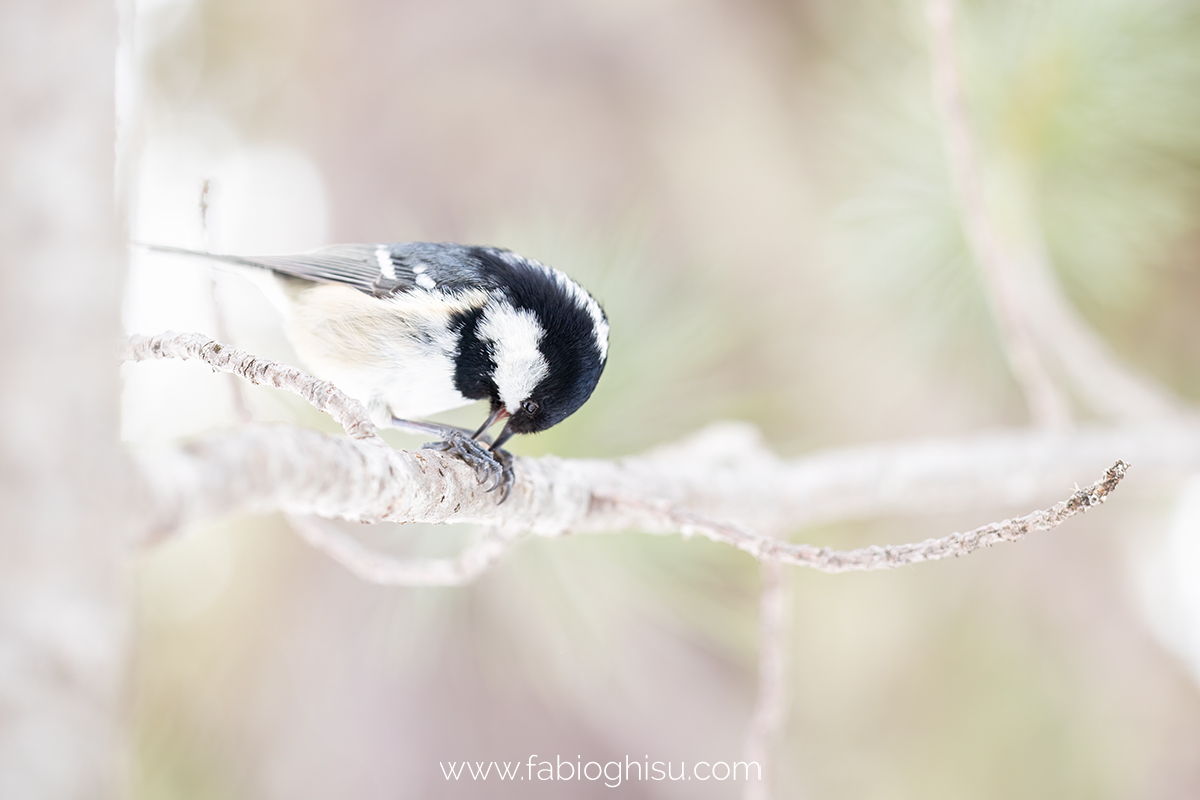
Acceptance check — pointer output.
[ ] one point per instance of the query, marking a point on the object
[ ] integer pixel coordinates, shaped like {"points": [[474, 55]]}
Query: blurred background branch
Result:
{"points": [[1048, 404], [375, 567], [1037, 324], [770, 705], [65, 504]]}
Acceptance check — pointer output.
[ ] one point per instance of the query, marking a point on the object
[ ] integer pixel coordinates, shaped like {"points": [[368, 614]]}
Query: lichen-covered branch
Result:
{"points": [[323, 395], [876, 557], [723, 483], [722, 472]]}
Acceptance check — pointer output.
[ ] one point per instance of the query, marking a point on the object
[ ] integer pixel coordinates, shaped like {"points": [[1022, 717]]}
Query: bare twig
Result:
{"points": [[770, 707], [323, 395], [877, 557], [375, 567], [1048, 406]]}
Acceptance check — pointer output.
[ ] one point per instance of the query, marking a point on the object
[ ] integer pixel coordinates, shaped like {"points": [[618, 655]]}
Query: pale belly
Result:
{"points": [[397, 359]]}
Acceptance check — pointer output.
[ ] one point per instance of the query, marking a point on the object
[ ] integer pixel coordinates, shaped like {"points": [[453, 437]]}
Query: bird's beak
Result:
{"points": [[494, 417], [505, 433]]}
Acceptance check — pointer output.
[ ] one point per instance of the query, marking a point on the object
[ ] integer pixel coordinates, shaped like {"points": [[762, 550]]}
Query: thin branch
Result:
{"points": [[280, 468], [1048, 406], [876, 557], [770, 707], [725, 473], [323, 395], [380, 568]]}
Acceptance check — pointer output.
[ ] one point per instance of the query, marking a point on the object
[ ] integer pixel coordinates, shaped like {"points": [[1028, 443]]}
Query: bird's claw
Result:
{"points": [[493, 468], [507, 475]]}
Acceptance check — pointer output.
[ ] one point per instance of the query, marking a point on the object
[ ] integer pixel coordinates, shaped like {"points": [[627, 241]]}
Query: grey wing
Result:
{"points": [[384, 270], [370, 268], [447, 266]]}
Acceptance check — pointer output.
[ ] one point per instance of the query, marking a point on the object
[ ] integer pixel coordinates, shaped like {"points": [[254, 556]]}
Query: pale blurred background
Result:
{"points": [[757, 193]]}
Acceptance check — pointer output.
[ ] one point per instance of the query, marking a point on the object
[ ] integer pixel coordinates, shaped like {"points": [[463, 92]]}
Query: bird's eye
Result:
{"points": [[530, 407]]}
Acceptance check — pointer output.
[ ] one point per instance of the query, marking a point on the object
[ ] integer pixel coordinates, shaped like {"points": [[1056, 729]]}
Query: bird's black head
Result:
{"points": [[536, 350]]}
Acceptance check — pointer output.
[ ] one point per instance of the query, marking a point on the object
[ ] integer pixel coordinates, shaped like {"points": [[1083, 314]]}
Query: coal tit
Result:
{"points": [[415, 328]]}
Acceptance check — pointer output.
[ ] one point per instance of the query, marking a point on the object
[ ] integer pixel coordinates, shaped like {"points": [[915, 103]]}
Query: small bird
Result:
{"points": [[414, 328]]}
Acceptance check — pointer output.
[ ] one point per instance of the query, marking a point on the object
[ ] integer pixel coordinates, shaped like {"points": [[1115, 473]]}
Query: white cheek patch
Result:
{"points": [[520, 366], [383, 256]]}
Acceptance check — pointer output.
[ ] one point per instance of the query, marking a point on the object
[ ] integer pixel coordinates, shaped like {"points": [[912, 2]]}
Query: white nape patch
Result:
{"points": [[386, 268], [419, 268], [511, 258], [588, 304], [520, 366], [425, 282]]}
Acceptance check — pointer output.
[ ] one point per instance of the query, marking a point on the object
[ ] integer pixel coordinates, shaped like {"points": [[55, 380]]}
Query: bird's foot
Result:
{"points": [[493, 468]]}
